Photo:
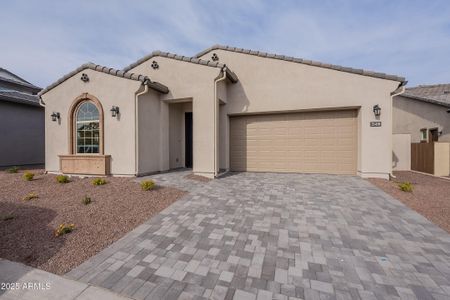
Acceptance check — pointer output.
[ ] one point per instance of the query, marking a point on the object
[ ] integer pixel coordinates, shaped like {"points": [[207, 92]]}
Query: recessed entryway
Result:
{"points": [[180, 135], [188, 139]]}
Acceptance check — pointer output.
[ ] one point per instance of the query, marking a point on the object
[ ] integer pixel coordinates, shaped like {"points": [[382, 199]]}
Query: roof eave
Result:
{"points": [[188, 59], [118, 73], [428, 100], [231, 76], [303, 61], [27, 85], [19, 101]]}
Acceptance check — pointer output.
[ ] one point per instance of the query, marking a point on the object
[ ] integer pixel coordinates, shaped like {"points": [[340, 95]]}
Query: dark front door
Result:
{"points": [[434, 135], [188, 139]]}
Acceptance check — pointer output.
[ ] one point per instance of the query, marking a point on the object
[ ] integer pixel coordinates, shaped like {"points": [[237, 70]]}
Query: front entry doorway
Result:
{"points": [[188, 139]]}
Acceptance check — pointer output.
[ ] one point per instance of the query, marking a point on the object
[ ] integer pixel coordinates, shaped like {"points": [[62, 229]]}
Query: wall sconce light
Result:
{"points": [[55, 116], [376, 110], [115, 111]]}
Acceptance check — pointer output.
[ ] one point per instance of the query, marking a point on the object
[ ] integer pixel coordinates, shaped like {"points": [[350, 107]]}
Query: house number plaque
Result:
{"points": [[375, 124]]}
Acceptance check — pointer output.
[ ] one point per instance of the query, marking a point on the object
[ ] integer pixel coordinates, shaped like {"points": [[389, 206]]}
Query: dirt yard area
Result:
{"points": [[27, 227], [430, 196]]}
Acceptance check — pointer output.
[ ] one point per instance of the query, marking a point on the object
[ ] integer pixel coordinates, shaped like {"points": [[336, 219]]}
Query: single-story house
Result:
{"points": [[422, 112], [224, 109], [21, 122], [422, 115]]}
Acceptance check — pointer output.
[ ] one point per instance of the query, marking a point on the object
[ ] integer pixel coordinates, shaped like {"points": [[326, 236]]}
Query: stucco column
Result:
{"points": [[203, 135], [164, 136]]}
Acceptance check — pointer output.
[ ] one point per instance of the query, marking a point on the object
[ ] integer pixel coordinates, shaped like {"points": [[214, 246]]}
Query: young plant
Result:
{"points": [[86, 200], [98, 181], [12, 170], [62, 178], [30, 196], [406, 187], [64, 229], [147, 185], [28, 176], [8, 217]]}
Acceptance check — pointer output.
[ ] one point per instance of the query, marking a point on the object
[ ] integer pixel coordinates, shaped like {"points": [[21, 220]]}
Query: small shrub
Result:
{"points": [[86, 200], [8, 217], [62, 178], [12, 170], [28, 176], [147, 185], [98, 181], [406, 187], [30, 196], [64, 229]]}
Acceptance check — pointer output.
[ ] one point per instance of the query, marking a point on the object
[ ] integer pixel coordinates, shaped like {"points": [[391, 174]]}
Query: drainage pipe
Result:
{"points": [[398, 91], [222, 76], [136, 128]]}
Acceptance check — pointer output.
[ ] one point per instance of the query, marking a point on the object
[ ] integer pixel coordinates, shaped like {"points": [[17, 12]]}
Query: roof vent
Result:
{"points": [[214, 57], [84, 77], [155, 65]]}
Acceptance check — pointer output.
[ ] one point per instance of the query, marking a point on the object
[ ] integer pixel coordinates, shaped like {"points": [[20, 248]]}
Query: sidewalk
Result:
{"points": [[36, 284]]}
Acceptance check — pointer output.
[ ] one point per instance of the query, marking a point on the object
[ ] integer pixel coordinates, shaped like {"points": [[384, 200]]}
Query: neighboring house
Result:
{"points": [[422, 112], [224, 109], [21, 122], [421, 115]]}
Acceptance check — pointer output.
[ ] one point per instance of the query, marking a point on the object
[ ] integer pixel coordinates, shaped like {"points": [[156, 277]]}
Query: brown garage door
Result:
{"points": [[310, 142]]}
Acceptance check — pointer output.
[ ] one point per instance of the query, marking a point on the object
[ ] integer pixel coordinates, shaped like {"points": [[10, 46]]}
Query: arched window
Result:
{"points": [[87, 126]]}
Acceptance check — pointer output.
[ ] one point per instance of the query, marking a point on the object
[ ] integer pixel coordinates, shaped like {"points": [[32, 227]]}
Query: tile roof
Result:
{"points": [[303, 61], [19, 97], [8, 76], [436, 94], [119, 73], [230, 75]]}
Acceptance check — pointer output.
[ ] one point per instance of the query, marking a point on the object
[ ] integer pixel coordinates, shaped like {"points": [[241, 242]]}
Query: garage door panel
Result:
{"points": [[313, 142]]}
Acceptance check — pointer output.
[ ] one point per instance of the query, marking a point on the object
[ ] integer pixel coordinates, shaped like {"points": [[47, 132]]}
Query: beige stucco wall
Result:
{"points": [[189, 81], [150, 131], [441, 159], [401, 152], [271, 85], [119, 134], [412, 115]]}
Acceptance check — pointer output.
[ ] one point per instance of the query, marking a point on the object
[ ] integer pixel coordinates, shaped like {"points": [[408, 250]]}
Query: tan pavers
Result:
{"points": [[261, 235]]}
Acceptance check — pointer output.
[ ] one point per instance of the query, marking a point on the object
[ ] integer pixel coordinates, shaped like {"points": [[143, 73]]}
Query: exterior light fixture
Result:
{"points": [[115, 111], [55, 116], [377, 110]]}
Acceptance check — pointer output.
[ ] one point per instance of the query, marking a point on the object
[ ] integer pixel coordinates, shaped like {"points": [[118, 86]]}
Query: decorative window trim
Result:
{"points": [[423, 139], [72, 123]]}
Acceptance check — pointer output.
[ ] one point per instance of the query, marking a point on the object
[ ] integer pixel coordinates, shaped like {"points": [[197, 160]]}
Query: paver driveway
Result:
{"points": [[264, 236]]}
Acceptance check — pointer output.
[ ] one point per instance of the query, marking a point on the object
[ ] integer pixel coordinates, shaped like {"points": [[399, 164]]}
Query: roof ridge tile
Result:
{"points": [[303, 61], [111, 71]]}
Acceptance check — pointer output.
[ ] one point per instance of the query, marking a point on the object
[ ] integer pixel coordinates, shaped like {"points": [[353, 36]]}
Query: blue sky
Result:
{"points": [[43, 40]]}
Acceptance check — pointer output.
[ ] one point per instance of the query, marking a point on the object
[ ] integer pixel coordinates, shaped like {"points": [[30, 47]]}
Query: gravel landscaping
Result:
{"points": [[430, 196], [27, 227]]}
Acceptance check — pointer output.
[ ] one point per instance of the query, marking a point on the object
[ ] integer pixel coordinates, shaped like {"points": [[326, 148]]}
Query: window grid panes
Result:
{"points": [[88, 129], [423, 135]]}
